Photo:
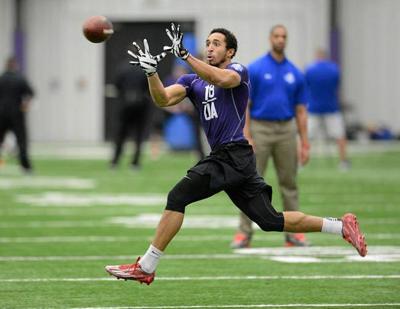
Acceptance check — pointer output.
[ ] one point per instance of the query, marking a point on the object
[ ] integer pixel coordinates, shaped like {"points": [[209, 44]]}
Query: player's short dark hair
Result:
{"points": [[230, 38], [276, 27]]}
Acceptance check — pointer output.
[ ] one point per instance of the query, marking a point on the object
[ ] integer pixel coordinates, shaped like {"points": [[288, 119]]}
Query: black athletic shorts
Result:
{"points": [[233, 166]]}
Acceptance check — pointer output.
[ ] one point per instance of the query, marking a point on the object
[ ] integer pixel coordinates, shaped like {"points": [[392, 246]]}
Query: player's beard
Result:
{"points": [[217, 64], [280, 50]]}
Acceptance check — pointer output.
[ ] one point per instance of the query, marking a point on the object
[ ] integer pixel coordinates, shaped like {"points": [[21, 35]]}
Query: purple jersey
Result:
{"points": [[222, 110]]}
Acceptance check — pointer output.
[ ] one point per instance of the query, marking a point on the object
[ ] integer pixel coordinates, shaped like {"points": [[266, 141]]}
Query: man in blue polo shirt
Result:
{"points": [[277, 113], [323, 79]]}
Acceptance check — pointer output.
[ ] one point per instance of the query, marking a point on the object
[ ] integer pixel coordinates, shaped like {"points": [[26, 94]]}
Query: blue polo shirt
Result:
{"points": [[322, 78], [276, 89]]}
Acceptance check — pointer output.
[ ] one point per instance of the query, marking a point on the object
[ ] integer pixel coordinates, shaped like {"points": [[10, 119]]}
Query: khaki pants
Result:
{"points": [[276, 139]]}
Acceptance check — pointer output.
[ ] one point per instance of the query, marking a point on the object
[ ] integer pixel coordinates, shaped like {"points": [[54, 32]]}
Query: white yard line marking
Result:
{"points": [[57, 199], [54, 224], [345, 259], [47, 182], [191, 221], [147, 220], [143, 221], [315, 251], [67, 239], [349, 305], [287, 255], [84, 239], [117, 257], [201, 223], [212, 278]]}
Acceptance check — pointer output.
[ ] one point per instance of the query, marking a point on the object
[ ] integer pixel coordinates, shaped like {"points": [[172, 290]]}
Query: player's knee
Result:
{"points": [[175, 202], [275, 224], [294, 217], [264, 214]]}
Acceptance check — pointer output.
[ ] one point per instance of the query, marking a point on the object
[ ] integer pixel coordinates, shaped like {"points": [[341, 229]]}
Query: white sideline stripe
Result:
{"points": [[191, 221], [374, 251], [54, 224], [73, 224], [150, 220], [316, 251], [57, 199], [77, 239], [118, 257], [350, 305], [211, 278], [58, 239], [47, 182]]}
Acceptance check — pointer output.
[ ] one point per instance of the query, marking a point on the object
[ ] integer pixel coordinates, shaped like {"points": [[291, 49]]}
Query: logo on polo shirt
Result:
{"points": [[267, 76], [289, 78]]}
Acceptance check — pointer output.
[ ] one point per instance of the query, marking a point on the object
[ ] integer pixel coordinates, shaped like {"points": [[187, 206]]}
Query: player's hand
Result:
{"points": [[176, 37], [304, 154], [147, 62]]}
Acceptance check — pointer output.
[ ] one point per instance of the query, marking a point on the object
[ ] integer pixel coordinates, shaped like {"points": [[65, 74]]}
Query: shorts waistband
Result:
{"points": [[230, 144]]}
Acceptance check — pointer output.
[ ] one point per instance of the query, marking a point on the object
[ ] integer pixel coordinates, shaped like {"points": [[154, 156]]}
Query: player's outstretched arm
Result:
{"points": [[216, 76], [219, 77], [162, 96], [148, 63]]}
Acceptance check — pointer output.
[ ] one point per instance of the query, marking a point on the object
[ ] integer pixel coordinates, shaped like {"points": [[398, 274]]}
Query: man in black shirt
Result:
{"points": [[15, 94], [133, 112]]}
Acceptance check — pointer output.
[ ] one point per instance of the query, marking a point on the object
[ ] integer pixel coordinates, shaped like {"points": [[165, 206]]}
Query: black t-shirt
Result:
{"points": [[132, 87], [13, 89]]}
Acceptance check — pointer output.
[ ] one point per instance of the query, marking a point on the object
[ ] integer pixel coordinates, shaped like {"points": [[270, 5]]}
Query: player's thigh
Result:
{"points": [[259, 209], [191, 188]]}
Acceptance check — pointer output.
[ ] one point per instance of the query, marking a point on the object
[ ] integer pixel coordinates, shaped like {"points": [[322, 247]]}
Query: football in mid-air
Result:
{"points": [[97, 29]]}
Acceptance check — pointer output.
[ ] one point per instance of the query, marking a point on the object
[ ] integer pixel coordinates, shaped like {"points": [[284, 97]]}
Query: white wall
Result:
{"points": [[7, 30], [59, 59], [59, 62], [370, 53]]}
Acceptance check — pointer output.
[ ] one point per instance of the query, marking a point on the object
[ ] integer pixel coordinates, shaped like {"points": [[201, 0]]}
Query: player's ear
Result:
{"points": [[230, 52]]}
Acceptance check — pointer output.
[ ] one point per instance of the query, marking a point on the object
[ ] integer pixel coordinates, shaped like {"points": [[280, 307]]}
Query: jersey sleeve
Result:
{"points": [[186, 81], [241, 70], [301, 92]]}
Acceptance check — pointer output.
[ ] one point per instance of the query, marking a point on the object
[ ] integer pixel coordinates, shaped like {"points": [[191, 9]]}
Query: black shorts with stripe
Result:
{"points": [[231, 168]]}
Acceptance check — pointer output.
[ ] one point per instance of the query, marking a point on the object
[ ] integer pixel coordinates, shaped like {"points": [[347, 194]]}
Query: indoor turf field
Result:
{"points": [[62, 225]]}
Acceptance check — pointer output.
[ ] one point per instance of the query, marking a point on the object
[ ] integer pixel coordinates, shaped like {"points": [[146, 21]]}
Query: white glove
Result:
{"points": [[176, 37], [145, 60]]}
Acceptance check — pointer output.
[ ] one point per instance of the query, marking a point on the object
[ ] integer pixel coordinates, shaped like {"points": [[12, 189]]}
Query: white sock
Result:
{"points": [[150, 259], [332, 225]]}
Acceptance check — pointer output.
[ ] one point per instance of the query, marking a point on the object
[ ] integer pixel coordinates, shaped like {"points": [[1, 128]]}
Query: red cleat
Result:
{"points": [[352, 234], [131, 272], [241, 240], [296, 240]]}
